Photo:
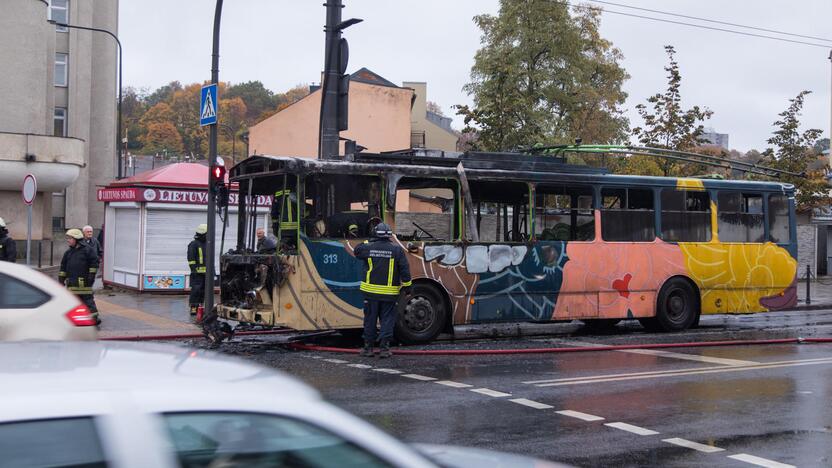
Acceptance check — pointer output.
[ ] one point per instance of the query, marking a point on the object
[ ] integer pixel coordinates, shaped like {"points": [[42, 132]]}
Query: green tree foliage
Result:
{"points": [[163, 94], [133, 107], [256, 97], [667, 125], [544, 75], [793, 151]]}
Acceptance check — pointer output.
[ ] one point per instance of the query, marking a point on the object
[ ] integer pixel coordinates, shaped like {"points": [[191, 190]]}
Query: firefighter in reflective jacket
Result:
{"points": [[196, 261], [78, 268], [284, 216], [386, 274]]}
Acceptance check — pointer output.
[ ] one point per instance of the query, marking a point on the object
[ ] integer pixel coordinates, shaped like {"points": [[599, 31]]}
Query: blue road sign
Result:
{"points": [[208, 105]]}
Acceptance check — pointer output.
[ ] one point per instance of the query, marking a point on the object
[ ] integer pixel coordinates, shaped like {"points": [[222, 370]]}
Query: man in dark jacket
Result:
{"points": [[196, 261], [78, 268], [92, 242], [386, 274], [8, 249]]}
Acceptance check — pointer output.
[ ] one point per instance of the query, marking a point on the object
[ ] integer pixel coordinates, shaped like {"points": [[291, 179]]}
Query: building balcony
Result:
{"points": [[56, 162]]}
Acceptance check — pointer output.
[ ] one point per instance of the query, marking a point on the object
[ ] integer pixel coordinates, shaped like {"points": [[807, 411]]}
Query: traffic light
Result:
{"points": [[220, 188], [218, 174]]}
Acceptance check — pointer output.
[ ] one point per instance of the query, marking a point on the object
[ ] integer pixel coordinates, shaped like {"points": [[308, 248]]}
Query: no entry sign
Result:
{"points": [[30, 189]]}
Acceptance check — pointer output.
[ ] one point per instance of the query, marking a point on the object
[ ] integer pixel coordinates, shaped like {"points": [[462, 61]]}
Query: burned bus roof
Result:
{"points": [[477, 165]]}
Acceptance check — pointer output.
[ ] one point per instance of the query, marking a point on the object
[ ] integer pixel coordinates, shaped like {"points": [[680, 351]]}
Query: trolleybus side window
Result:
{"points": [[501, 209], [341, 206], [686, 216], [740, 217], [778, 219], [627, 215], [427, 209], [564, 213]]}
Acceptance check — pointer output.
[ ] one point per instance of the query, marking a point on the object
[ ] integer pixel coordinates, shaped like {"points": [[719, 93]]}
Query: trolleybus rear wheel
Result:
{"points": [[421, 315], [677, 306]]}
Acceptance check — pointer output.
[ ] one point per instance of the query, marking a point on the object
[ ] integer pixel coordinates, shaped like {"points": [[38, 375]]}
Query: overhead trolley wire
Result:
{"points": [[697, 18], [712, 28]]}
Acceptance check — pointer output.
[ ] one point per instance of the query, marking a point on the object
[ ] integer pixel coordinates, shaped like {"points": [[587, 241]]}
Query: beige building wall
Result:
{"points": [[379, 119], [436, 137]]}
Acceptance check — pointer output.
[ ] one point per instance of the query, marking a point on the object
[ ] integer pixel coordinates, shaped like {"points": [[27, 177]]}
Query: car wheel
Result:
{"points": [[677, 306], [421, 315]]}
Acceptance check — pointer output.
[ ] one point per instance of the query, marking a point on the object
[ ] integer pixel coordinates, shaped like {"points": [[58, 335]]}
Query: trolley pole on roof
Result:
{"points": [[210, 239]]}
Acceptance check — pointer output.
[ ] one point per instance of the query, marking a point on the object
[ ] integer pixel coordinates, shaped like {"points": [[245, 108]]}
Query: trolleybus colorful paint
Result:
{"points": [[504, 237]]}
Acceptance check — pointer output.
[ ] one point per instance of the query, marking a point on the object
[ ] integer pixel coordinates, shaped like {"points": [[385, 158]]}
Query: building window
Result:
{"points": [[59, 13], [61, 66], [60, 121]]}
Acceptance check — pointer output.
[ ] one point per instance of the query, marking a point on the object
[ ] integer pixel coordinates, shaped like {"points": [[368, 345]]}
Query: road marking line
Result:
{"points": [[388, 371], [691, 357], [579, 415], [675, 373], [489, 392], [744, 457], [800, 361], [693, 445], [423, 378], [360, 366], [531, 403], [630, 428], [336, 361], [316, 357], [451, 383]]}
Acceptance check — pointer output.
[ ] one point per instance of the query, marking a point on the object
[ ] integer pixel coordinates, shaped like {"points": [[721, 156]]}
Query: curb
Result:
{"points": [[806, 307]]}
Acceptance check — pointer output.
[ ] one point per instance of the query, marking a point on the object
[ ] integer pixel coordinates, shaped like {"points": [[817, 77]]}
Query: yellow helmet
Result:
{"points": [[202, 229], [75, 234]]}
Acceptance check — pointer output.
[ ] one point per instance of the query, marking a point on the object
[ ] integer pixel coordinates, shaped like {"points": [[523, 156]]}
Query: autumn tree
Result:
{"points": [[163, 93], [793, 151], [668, 125], [133, 107], [160, 137], [544, 74]]}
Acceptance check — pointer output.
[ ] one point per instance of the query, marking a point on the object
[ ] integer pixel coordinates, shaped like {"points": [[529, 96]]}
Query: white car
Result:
{"points": [[143, 405], [33, 306]]}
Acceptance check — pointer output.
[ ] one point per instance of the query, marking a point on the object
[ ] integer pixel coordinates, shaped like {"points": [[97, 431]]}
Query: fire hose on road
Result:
{"points": [[470, 352]]}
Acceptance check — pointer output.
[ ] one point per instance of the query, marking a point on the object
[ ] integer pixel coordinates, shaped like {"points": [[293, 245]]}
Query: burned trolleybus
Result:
{"points": [[506, 237]]}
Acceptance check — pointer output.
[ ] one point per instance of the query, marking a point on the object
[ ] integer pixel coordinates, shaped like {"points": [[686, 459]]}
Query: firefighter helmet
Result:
{"points": [[202, 229], [382, 231]]}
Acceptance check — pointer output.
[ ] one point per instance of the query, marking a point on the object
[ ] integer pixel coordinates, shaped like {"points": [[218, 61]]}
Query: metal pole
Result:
{"points": [[210, 316], [328, 143], [808, 285], [29, 234], [118, 132], [829, 155]]}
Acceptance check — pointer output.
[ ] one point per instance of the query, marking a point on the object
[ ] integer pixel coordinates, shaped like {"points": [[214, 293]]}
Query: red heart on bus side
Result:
{"points": [[623, 285]]}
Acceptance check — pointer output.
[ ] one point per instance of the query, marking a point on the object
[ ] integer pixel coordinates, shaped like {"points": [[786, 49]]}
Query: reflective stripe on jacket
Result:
{"points": [[286, 217], [386, 269], [78, 268], [196, 256]]}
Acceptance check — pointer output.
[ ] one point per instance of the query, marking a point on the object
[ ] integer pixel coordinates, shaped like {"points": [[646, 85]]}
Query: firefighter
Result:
{"points": [[285, 217], [8, 249], [79, 266], [386, 274], [196, 261]]}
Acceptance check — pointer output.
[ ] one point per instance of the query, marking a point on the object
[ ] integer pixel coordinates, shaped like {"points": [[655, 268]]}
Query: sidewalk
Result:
{"points": [[820, 294], [128, 313]]}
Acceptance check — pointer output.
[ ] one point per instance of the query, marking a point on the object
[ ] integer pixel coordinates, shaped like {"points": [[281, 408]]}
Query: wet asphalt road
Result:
{"points": [[715, 406]]}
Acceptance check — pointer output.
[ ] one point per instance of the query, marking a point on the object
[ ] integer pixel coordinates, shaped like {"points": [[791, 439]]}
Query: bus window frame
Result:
{"points": [[595, 189], [627, 187], [301, 200], [764, 212], [529, 224], [457, 217]]}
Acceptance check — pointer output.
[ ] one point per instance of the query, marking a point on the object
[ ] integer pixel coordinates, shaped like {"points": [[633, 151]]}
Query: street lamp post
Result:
{"points": [[118, 133], [233, 142]]}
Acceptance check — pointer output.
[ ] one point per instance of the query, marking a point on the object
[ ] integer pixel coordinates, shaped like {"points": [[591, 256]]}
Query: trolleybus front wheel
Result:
{"points": [[421, 315]]}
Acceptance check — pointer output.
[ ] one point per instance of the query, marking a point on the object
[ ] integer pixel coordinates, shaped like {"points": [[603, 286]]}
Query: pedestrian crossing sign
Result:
{"points": [[208, 105]]}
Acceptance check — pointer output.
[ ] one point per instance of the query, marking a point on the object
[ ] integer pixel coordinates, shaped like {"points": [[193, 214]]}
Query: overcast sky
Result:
{"points": [[746, 81]]}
